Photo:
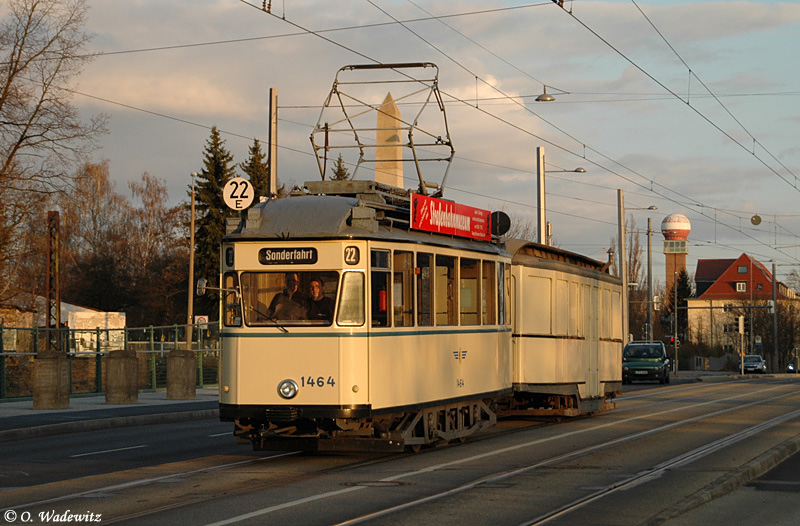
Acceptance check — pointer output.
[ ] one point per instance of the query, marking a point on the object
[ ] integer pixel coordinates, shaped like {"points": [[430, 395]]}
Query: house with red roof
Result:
{"points": [[727, 289]]}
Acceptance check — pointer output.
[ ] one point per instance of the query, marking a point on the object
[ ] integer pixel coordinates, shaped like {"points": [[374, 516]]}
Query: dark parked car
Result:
{"points": [[792, 366], [754, 363], [645, 361]]}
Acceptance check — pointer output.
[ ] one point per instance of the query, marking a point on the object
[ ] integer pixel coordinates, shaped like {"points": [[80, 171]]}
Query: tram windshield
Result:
{"points": [[289, 298]]}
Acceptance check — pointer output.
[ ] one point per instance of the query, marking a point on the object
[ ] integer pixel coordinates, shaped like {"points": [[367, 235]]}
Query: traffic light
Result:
{"points": [[671, 340]]}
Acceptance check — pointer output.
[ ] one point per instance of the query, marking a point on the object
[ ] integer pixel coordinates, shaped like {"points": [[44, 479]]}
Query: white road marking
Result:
{"points": [[107, 451]]}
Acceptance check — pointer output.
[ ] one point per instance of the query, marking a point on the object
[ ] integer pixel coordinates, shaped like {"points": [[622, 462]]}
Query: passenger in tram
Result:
{"points": [[320, 307], [291, 303]]}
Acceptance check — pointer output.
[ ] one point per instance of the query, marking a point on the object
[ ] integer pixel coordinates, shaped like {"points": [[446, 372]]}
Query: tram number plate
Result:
{"points": [[351, 255], [318, 381]]}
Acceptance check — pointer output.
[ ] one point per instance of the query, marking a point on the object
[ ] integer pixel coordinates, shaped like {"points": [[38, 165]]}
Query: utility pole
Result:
{"points": [[675, 319], [774, 320], [190, 309], [623, 263]]}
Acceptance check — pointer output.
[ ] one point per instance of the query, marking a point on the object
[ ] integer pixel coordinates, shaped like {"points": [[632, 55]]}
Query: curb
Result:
{"points": [[732, 481], [106, 423]]}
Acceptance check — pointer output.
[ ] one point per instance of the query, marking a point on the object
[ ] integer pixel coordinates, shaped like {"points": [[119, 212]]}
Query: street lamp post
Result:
{"points": [[649, 279], [541, 228]]}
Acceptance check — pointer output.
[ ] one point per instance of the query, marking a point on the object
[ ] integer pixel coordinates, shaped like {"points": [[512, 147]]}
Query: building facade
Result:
{"points": [[732, 296]]}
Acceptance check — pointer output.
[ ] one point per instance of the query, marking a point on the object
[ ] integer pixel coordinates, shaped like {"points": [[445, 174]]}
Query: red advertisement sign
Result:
{"points": [[446, 217]]}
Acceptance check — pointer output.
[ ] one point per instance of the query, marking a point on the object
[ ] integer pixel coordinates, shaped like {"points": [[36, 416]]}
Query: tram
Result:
{"points": [[358, 315]]}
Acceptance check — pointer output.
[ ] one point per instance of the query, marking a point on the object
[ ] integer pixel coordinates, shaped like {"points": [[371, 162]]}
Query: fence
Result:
{"points": [[87, 351]]}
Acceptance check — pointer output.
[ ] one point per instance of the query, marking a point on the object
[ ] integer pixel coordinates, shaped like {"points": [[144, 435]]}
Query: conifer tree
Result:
{"points": [[339, 170], [684, 292], [257, 170], [211, 212]]}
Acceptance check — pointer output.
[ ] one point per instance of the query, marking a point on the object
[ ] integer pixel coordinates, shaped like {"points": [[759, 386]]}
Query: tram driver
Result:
{"points": [[290, 303], [320, 307]]}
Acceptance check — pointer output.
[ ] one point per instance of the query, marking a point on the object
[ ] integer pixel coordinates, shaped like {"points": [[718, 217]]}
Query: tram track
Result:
{"points": [[656, 471], [638, 478], [303, 469]]}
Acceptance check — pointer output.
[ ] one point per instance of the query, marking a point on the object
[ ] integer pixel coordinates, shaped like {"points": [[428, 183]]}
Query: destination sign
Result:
{"points": [[446, 217], [287, 256]]}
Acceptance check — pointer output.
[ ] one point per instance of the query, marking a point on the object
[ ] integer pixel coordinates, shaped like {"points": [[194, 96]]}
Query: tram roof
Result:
{"points": [[368, 215], [525, 252]]}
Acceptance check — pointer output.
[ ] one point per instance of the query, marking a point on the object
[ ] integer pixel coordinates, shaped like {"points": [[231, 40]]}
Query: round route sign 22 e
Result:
{"points": [[238, 193]]}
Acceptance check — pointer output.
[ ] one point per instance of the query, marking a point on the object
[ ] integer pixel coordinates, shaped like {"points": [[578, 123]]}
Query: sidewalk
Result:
{"points": [[18, 419]]}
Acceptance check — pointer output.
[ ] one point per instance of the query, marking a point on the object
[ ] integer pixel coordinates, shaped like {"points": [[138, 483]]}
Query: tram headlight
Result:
{"points": [[287, 389]]}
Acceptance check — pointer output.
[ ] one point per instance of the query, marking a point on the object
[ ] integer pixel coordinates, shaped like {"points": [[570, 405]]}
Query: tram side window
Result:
{"points": [[403, 289], [381, 292], [504, 293], [446, 292], [351, 300], [488, 288], [230, 300], [469, 291], [424, 289]]}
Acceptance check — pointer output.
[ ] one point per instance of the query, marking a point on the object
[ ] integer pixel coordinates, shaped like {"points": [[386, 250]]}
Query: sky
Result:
{"points": [[692, 107]]}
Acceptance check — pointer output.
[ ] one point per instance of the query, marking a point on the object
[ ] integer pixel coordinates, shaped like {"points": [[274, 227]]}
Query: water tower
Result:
{"points": [[675, 228]]}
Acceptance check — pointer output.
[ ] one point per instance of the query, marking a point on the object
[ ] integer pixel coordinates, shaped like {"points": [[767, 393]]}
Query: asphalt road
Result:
{"points": [[663, 451]]}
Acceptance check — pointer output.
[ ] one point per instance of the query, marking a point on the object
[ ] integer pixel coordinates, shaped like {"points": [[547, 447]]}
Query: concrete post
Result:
{"points": [[181, 375], [51, 380], [122, 377]]}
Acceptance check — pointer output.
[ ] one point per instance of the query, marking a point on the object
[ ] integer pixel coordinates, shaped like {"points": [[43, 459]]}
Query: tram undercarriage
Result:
{"points": [[556, 401], [391, 433]]}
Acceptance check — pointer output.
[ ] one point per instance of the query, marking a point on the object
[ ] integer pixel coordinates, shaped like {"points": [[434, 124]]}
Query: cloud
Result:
{"points": [[618, 123]]}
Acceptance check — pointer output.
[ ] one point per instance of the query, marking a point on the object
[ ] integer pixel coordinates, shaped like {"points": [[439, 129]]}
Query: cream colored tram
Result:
{"points": [[414, 350], [567, 332]]}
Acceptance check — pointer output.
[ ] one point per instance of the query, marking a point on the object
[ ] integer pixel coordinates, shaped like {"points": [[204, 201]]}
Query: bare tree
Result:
{"points": [[637, 309], [154, 227], [42, 138]]}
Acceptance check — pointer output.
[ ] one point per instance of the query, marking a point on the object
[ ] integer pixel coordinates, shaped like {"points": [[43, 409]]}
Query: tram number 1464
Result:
{"points": [[319, 381]]}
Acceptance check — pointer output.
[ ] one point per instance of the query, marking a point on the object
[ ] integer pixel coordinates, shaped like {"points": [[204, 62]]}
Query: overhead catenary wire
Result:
{"points": [[714, 95], [558, 128], [669, 90], [645, 186]]}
